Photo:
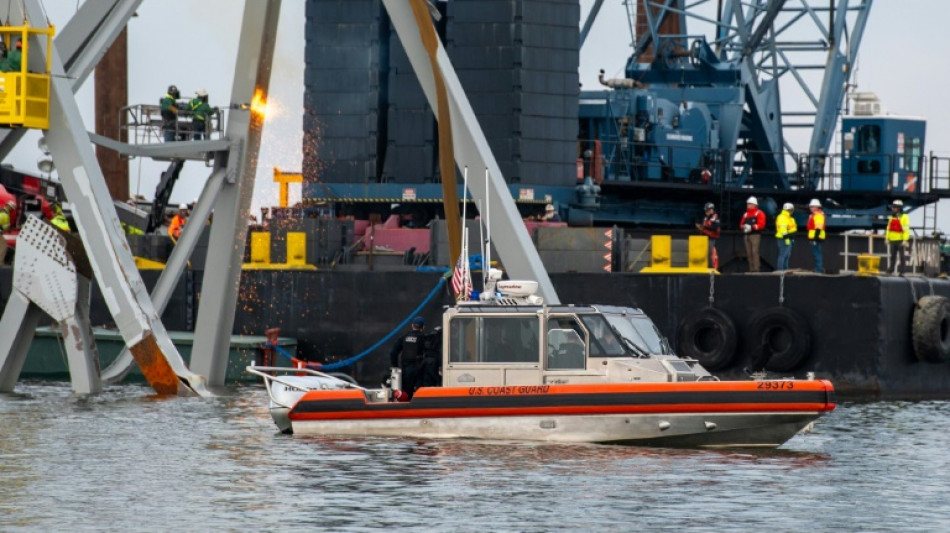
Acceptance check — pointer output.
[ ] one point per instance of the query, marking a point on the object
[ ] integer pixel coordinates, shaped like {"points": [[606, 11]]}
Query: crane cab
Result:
{"points": [[24, 91]]}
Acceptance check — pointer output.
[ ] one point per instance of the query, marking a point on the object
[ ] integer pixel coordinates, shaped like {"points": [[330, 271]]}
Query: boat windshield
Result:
{"points": [[642, 332], [604, 340]]}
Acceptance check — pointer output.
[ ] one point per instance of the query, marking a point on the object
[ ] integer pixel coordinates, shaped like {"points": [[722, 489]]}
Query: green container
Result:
{"points": [[47, 355]]}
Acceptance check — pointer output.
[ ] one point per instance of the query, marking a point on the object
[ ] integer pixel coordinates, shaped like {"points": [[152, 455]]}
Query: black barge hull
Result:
{"points": [[860, 328]]}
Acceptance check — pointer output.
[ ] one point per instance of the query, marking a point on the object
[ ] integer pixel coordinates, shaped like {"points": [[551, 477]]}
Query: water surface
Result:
{"points": [[125, 460]]}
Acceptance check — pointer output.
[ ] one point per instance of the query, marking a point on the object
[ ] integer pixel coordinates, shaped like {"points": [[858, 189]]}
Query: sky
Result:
{"points": [[193, 45]]}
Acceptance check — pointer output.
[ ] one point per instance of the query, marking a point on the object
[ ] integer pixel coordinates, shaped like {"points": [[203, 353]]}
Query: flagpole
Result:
{"points": [[464, 193]]}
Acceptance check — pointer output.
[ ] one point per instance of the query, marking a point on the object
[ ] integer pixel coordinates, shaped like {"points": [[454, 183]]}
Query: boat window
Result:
{"points": [[603, 341], [566, 346], [642, 332], [484, 339]]}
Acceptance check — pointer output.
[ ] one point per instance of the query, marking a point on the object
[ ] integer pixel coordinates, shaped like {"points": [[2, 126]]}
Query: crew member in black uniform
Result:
{"points": [[432, 359], [407, 355]]}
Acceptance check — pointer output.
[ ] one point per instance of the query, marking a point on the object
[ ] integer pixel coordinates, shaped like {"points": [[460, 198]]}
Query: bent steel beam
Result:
{"points": [[232, 204], [162, 292], [510, 236], [115, 270]]}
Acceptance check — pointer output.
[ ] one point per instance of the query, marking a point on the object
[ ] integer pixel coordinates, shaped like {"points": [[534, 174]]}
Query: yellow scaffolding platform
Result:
{"points": [[24, 94]]}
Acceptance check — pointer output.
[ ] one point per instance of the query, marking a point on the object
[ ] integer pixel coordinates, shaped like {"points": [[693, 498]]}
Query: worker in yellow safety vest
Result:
{"points": [[816, 232], [898, 236], [59, 219], [785, 229], [6, 216]]}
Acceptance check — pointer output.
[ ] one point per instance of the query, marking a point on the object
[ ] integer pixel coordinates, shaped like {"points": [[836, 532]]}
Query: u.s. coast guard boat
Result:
{"points": [[514, 368]]}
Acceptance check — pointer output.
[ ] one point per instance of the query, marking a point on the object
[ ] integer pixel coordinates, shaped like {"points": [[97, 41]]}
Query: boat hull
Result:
{"points": [[714, 430], [708, 414]]}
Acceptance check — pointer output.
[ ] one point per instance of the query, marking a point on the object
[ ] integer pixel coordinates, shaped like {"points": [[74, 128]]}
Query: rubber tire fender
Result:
{"points": [[786, 333], [708, 336], [930, 330]]}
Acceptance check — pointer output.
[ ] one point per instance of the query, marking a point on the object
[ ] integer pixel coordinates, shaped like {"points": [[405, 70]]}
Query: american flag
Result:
{"points": [[462, 279]]}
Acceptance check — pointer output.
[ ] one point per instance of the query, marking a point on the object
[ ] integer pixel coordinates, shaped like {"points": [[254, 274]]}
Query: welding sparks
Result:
{"points": [[259, 103]]}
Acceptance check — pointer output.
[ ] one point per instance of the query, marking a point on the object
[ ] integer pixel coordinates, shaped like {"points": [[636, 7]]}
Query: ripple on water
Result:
{"points": [[125, 460]]}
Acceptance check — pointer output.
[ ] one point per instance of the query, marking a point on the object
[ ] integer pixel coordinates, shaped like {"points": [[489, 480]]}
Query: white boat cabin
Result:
{"points": [[486, 344]]}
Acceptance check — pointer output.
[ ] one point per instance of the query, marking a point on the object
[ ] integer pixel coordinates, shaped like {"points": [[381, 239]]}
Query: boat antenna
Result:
{"points": [[481, 238], [486, 258]]}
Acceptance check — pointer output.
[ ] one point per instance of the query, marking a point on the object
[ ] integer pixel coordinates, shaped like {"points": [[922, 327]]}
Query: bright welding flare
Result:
{"points": [[259, 103]]}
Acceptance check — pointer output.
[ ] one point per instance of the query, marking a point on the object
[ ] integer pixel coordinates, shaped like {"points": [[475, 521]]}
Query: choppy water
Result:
{"points": [[126, 461]]}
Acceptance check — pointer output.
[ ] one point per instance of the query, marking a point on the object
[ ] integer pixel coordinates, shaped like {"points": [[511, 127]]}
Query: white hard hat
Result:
{"points": [[549, 207], [897, 203], [814, 203], [182, 207], [201, 92], [752, 201], [788, 206]]}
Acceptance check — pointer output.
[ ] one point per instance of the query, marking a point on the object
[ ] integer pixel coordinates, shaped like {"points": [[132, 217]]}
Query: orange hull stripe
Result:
{"points": [[397, 412]]}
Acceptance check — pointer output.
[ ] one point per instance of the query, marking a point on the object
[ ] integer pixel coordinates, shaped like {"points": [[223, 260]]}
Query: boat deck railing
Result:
{"points": [[270, 375]]}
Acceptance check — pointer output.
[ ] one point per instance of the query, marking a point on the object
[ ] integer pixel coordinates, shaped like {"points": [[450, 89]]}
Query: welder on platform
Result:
{"points": [[752, 224], [785, 229], [816, 232], [898, 236], [407, 355], [711, 228], [200, 111], [169, 108], [13, 61], [178, 222]]}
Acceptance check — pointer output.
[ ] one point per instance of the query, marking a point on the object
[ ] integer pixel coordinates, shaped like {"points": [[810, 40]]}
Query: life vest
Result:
{"points": [[174, 229], [898, 228], [784, 225], [753, 218], [59, 220], [816, 226], [711, 227], [411, 348]]}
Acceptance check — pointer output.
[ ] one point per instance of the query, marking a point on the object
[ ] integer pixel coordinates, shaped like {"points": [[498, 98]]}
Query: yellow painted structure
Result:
{"points": [[284, 179], [147, 264], [24, 94], [296, 252], [869, 265], [661, 256]]}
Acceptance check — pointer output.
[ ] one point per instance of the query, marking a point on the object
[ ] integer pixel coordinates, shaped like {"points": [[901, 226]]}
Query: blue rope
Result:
{"points": [[364, 353], [280, 350]]}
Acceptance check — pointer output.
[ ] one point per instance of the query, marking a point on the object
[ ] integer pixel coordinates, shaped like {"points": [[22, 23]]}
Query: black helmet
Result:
{"points": [[709, 205], [173, 90]]}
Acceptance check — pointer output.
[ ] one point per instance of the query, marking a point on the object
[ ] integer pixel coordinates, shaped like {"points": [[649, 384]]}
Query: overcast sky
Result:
{"points": [[193, 44]]}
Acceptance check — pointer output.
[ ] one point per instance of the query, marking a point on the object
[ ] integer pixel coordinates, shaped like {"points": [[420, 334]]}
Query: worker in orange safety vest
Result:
{"points": [[178, 222]]}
